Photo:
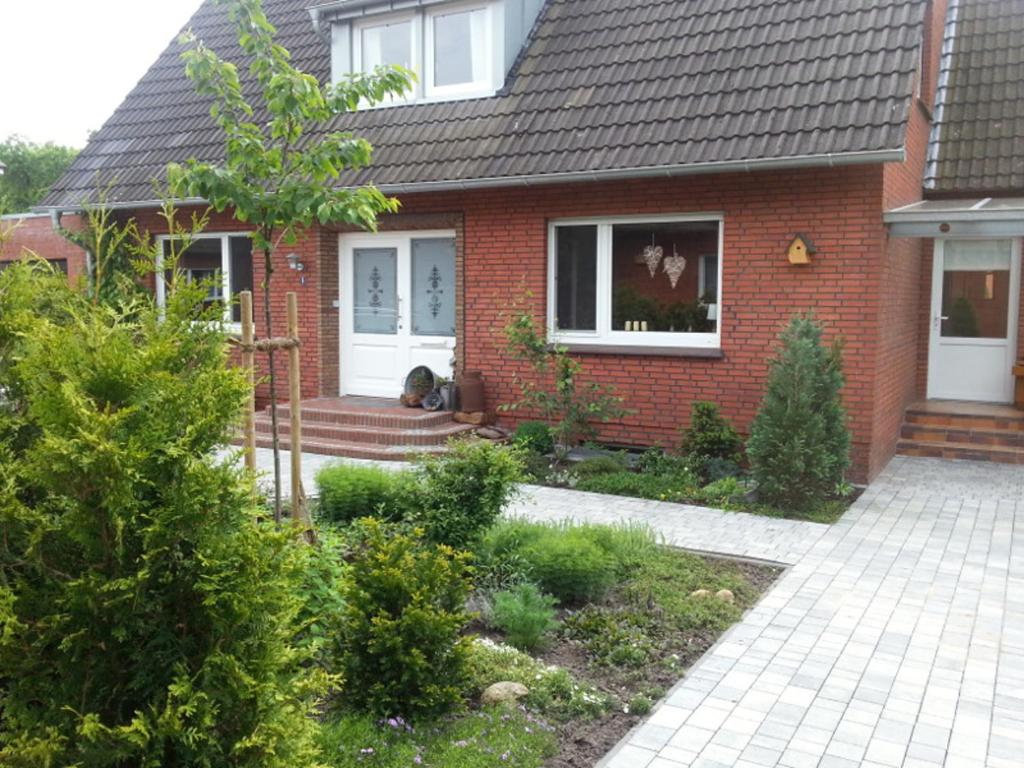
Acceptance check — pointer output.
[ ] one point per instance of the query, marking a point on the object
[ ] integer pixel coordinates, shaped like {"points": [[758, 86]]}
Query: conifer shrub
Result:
{"points": [[799, 447], [147, 615], [710, 437], [525, 615], [534, 436], [399, 640]]}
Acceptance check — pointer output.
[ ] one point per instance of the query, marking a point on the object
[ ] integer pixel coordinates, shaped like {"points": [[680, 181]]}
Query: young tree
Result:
{"points": [[31, 169], [799, 445], [280, 169]]}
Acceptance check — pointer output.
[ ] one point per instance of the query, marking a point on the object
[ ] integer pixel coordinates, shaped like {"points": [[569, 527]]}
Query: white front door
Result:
{"points": [[975, 296], [397, 306]]}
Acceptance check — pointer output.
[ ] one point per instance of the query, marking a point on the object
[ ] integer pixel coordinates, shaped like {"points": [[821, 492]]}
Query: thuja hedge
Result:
{"points": [[147, 616]]}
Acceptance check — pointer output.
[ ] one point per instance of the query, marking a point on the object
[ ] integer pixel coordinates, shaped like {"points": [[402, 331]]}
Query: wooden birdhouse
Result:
{"points": [[800, 250]]}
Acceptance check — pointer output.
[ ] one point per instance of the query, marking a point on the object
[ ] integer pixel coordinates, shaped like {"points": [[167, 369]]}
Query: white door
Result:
{"points": [[975, 296], [397, 307]]}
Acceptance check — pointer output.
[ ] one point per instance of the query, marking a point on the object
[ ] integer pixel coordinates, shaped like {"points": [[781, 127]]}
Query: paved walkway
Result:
{"points": [[697, 528], [896, 640]]}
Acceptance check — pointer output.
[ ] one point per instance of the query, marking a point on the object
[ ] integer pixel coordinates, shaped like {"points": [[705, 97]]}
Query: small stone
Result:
{"points": [[725, 595], [491, 433], [504, 692], [700, 593]]}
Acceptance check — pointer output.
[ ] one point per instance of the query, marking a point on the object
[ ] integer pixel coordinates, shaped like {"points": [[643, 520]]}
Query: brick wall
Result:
{"points": [[35, 233]]}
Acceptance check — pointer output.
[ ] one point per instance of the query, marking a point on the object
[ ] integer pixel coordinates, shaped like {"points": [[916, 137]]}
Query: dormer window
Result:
{"points": [[455, 49]]}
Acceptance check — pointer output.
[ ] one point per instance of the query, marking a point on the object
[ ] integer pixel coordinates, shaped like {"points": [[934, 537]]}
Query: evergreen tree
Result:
{"points": [[799, 447]]}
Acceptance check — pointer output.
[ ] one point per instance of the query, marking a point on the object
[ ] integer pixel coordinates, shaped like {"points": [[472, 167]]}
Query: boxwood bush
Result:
{"points": [[348, 492]]}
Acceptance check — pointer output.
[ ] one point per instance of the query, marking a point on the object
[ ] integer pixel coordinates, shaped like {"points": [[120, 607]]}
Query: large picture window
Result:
{"points": [[223, 262], [636, 282]]}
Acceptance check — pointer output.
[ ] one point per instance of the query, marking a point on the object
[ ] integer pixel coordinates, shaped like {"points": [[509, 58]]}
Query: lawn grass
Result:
{"points": [[474, 739]]}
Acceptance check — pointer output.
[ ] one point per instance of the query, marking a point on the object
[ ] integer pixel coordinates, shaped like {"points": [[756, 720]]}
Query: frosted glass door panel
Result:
{"points": [[433, 287], [375, 283]]}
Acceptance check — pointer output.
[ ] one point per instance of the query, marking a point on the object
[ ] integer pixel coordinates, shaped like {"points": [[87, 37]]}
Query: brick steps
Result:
{"points": [[963, 431], [363, 428]]}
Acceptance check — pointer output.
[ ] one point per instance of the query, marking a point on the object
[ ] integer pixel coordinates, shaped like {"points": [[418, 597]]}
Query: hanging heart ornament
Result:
{"points": [[674, 266], [652, 257]]}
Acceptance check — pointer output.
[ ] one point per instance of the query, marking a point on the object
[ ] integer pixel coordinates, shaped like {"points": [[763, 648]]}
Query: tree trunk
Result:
{"points": [[268, 267]]}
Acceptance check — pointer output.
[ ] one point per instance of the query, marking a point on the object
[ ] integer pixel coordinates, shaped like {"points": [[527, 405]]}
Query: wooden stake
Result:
{"points": [[295, 406], [249, 363]]}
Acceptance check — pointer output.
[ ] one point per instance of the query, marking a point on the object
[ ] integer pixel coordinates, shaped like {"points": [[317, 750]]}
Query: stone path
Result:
{"points": [[896, 640]]}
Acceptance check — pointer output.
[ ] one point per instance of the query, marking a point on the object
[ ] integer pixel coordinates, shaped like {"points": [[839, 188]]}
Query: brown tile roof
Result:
{"points": [[603, 85], [978, 140]]}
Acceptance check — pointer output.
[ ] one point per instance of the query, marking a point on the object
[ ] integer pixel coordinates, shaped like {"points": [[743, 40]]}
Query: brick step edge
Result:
{"points": [[353, 450], [1004, 438], [964, 421], [384, 436], [416, 419], [964, 451]]}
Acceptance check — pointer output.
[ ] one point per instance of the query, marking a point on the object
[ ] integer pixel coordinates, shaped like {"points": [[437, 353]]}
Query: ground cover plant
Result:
{"points": [[707, 467]]}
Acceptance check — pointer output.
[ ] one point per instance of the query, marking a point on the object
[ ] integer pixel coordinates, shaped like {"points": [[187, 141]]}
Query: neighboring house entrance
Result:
{"points": [[397, 292], [975, 296]]}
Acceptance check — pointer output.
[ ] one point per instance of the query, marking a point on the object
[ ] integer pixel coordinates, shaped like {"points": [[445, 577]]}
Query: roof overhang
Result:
{"points": [[965, 217], [795, 162]]}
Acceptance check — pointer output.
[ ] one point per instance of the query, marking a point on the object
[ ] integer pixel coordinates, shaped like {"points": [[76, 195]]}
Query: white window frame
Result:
{"points": [[225, 270], [605, 335], [487, 85], [422, 51], [416, 52]]}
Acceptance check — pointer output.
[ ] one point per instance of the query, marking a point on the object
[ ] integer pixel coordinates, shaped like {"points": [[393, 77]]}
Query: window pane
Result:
{"points": [[576, 278], [433, 287], [976, 289], [387, 44], [375, 299], [240, 274], [655, 277], [459, 47], [201, 263]]}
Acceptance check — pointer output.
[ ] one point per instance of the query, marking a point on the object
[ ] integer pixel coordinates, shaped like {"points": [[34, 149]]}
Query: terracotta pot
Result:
{"points": [[471, 391]]}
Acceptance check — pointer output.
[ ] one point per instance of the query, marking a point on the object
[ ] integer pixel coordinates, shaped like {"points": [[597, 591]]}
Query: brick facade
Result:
{"points": [[35, 234]]}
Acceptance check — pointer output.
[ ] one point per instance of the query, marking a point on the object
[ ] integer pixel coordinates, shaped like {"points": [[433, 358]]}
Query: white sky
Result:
{"points": [[65, 65]]}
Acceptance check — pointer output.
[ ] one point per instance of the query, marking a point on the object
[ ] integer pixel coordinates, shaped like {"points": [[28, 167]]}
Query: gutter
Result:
{"points": [[826, 160]]}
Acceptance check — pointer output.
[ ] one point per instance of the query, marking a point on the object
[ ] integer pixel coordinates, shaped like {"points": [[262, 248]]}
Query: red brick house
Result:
{"points": [[34, 233], [636, 170]]}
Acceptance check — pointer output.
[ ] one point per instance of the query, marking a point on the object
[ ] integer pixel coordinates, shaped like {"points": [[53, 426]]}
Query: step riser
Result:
{"points": [[437, 436], [965, 452], [926, 433], [971, 423], [417, 418]]}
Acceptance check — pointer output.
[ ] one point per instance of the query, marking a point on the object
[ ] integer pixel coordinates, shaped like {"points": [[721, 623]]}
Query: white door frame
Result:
{"points": [[934, 388], [409, 349]]}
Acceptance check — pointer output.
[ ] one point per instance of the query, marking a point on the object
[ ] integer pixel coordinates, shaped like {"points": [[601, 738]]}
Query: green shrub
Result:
{"points": [[321, 592], [722, 492], [570, 566], [599, 465], [525, 615], [464, 491], [535, 437], [669, 487], [399, 637], [348, 492], [710, 436], [147, 616], [799, 446], [553, 692]]}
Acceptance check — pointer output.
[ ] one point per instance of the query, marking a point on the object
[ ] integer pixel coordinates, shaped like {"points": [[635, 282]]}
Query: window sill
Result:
{"points": [[707, 353]]}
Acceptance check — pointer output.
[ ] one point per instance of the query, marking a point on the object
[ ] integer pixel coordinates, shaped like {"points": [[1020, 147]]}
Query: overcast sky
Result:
{"points": [[65, 65]]}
